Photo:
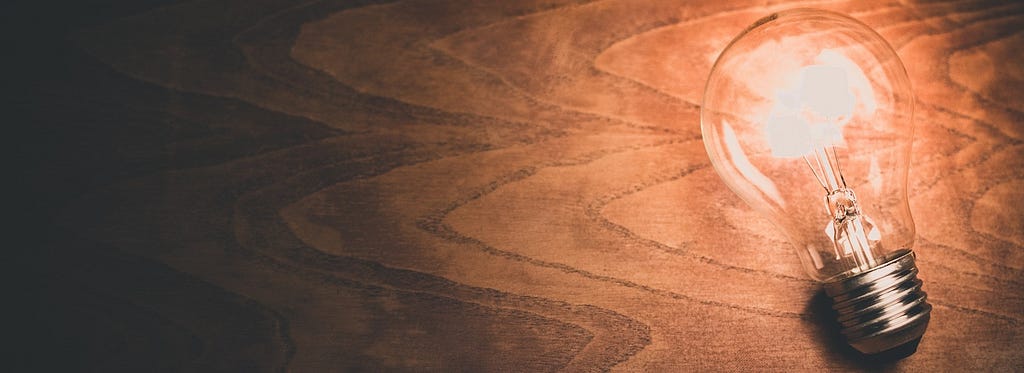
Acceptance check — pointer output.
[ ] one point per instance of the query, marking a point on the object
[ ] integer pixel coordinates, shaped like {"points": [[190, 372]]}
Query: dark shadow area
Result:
{"points": [[830, 336], [55, 152]]}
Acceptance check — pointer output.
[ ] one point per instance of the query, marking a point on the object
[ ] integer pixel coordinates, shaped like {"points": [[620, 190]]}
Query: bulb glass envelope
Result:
{"points": [[804, 111]]}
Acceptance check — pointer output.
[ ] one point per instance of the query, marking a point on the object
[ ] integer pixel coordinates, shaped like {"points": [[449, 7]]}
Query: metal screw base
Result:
{"points": [[883, 308]]}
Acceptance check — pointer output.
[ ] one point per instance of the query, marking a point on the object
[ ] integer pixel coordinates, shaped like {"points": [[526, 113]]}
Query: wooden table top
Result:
{"points": [[481, 186]]}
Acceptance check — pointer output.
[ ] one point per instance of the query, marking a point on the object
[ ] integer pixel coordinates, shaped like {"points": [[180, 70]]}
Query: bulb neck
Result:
{"points": [[884, 308]]}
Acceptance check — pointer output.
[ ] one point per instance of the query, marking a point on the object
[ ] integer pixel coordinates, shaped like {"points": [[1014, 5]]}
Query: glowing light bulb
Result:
{"points": [[808, 117]]}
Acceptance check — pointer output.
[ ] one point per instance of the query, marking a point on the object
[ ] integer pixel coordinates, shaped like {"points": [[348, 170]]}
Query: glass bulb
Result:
{"points": [[808, 117]]}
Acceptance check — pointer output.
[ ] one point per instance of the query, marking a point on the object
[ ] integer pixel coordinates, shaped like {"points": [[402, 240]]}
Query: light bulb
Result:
{"points": [[808, 117]]}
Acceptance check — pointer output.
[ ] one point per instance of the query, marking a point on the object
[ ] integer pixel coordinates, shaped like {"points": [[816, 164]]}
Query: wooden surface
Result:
{"points": [[237, 185]]}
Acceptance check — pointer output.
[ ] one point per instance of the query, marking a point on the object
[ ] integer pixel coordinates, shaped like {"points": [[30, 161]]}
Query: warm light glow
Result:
{"points": [[810, 109]]}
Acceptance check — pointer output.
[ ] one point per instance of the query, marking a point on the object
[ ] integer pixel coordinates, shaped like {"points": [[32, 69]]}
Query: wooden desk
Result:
{"points": [[484, 186]]}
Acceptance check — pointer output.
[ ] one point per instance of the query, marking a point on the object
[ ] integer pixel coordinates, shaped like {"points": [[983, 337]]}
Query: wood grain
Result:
{"points": [[482, 186]]}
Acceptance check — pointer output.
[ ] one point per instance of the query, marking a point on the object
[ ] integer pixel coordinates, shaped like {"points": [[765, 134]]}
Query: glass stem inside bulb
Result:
{"points": [[855, 236]]}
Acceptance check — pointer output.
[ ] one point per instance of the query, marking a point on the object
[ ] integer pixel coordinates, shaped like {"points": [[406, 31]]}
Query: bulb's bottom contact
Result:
{"points": [[883, 308]]}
